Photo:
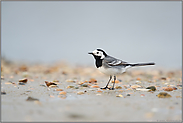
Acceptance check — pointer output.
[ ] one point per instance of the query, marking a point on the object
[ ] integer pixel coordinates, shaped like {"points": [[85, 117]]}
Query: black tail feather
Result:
{"points": [[142, 64]]}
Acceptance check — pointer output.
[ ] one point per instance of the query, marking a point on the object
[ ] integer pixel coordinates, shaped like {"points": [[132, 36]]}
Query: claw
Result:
{"points": [[111, 88]]}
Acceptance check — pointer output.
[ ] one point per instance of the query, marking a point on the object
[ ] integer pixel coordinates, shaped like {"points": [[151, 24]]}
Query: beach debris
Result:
{"points": [[168, 89], [127, 94], [95, 86], [92, 80], [142, 89], [163, 95], [62, 93], [76, 87], [135, 86], [80, 92], [53, 86], [138, 78], [153, 88], [23, 80], [3, 92], [118, 87], [2, 77], [84, 85], [48, 84], [142, 95], [179, 85], [21, 83], [163, 78], [58, 89], [119, 95], [178, 97], [99, 91], [174, 88], [70, 86], [32, 99]]}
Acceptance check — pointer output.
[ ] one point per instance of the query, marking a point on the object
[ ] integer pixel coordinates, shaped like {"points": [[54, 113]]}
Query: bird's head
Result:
{"points": [[98, 53]]}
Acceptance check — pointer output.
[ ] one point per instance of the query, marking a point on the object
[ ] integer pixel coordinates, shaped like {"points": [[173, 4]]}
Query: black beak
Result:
{"points": [[90, 53]]}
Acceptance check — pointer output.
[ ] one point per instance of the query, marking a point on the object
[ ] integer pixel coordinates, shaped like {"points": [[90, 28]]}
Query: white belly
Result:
{"points": [[112, 71]]}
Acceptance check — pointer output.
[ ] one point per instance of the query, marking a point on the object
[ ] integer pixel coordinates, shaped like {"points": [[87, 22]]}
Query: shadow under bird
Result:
{"points": [[112, 66]]}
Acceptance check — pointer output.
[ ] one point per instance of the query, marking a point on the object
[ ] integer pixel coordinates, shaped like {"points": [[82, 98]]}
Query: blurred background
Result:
{"points": [[50, 31]]}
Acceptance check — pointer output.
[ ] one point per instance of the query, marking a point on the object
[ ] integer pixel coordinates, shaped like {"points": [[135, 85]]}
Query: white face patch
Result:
{"points": [[99, 53]]}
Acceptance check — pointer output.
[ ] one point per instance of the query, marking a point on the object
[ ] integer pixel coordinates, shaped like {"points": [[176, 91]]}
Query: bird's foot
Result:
{"points": [[107, 88], [111, 88]]}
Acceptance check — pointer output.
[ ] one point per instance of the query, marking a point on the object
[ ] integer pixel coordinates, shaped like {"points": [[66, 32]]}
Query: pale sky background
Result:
{"points": [[134, 31]]}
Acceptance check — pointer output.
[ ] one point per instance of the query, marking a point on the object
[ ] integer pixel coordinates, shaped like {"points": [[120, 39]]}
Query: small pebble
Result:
{"points": [[95, 86], [53, 86], [118, 87], [128, 95], [32, 99], [3, 92], [63, 93], [153, 88], [70, 86], [164, 95], [84, 85], [163, 78], [79, 93], [142, 95], [58, 89], [76, 87], [50, 83], [23, 80], [174, 88], [168, 89], [21, 83], [92, 80], [119, 95]]}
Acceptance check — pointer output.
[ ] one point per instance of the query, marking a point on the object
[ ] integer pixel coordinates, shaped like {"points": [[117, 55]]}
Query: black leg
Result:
{"points": [[114, 83], [107, 83]]}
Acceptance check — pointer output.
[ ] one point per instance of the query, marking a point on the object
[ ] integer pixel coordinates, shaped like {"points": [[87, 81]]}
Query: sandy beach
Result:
{"points": [[63, 92]]}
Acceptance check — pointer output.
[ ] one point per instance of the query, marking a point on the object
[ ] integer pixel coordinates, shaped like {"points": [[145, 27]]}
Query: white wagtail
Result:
{"points": [[112, 66]]}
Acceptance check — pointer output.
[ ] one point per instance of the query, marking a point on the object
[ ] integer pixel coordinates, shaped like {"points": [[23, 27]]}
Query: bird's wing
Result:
{"points": [[111, 61]]}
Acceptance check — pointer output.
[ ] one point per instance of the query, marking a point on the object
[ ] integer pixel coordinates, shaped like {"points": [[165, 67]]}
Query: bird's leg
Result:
{"points": [[113, 84], [107, 83]]}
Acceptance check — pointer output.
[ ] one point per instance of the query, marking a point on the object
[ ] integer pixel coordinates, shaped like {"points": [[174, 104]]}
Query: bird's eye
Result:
{"points": [[97, 52]]}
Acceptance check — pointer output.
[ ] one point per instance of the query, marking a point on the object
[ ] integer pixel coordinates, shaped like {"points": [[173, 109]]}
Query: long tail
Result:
{"points": [[142, 64]]}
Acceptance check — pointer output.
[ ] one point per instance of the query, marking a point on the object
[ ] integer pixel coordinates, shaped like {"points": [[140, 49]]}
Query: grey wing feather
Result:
{"points": [[113, 61]]}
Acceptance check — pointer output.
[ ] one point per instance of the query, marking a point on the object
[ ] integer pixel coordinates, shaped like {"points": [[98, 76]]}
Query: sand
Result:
{"points": [[80, 101]]}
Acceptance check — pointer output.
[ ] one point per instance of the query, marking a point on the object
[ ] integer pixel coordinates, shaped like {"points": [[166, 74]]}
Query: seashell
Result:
{"points": [[23, 80], [63, 93], [79, 93], [164, 95], [119, 95]]}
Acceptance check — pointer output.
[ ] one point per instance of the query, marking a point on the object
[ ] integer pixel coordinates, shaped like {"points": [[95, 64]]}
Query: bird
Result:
{"points": [[112, 66]]}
